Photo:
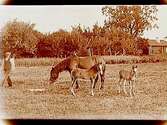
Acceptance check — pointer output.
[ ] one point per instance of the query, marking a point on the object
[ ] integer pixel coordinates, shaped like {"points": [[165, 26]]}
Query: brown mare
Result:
{"points": [[73, 62], [90, 74]]}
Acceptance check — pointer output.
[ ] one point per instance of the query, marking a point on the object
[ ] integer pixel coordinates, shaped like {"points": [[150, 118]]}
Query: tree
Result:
{"points": [[77, 28], [133, 20], [20, 38]]}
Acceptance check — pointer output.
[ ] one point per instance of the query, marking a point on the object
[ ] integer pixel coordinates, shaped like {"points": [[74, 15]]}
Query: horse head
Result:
{"points": [[134, 68], [53, 75]]}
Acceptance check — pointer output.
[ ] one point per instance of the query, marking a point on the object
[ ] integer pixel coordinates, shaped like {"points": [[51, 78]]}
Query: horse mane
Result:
{"points": [[61, 66]]}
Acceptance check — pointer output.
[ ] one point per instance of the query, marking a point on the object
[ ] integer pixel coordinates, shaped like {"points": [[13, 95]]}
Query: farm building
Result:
{"points": [[157, 47]]}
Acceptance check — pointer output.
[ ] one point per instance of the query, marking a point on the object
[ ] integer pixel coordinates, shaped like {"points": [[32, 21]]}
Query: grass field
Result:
{"points": [[55, 101], [29, 62]]}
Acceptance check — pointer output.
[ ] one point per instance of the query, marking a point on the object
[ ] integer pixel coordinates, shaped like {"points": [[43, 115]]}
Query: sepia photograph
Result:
{"points": [[83, 62]]}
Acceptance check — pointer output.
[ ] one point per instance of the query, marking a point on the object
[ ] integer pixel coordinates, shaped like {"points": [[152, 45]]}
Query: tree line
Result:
{"points": [[121, 34]]}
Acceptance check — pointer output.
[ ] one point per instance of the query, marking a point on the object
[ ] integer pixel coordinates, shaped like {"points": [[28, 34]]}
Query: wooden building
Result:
{"points": [[157, 47]]}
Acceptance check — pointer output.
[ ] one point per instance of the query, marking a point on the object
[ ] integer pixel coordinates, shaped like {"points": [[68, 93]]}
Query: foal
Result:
{"points": [[91, 74], [127, 76]]}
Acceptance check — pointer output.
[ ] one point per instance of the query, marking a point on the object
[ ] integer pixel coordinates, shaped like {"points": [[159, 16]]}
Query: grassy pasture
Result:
{"points": [[56, 101], [30, 62]]}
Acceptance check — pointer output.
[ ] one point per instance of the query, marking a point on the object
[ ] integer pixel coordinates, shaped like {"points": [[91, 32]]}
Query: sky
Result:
{"points": [[53, 18]]}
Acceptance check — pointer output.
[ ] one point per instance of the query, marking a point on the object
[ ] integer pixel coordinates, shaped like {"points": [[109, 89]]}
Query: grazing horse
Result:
{"points": [[8, 66], [91, 74], [73, 62]]}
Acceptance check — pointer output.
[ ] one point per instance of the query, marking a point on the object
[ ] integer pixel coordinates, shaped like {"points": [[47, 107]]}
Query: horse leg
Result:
{"points": [[77, 85], [92, 85], [130, 88], [102, 81], [124, 87], [133, 87], [72, 87], [119, 85], [102, 78], [96, 79]]}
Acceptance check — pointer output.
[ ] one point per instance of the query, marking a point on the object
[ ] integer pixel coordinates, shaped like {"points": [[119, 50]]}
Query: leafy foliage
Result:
{"points": [[133, 20], [20, 38], [121, 34]]}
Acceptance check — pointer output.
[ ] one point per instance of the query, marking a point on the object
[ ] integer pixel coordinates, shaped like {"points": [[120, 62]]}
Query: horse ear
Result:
{"points": [[134, 66]]}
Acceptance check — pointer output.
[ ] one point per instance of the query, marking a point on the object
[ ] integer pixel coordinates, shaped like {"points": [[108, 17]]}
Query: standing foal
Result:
{"points": [[8, 65], [127, 76], [91, 74]]}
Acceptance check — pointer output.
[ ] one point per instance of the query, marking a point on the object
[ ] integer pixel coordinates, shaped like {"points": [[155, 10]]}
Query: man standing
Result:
{"points": [[7, 66]]}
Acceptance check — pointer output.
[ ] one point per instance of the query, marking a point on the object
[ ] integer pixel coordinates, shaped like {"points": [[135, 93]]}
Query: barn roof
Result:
{"points": [[156, 43]]}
